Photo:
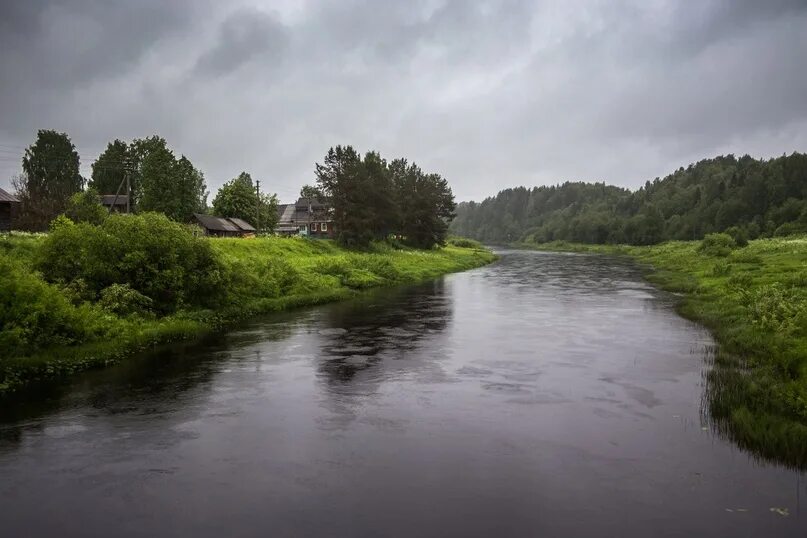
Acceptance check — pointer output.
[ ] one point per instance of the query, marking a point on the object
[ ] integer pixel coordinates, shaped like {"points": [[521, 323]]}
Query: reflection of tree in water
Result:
{"points": [[145, 384], [382, 335]]}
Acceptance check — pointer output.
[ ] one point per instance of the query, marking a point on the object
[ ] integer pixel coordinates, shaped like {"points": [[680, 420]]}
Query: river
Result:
{"points": [[543, 395]]}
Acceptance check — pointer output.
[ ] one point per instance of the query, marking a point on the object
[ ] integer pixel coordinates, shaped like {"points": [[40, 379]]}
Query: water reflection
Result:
{"points": [[548, 394]]}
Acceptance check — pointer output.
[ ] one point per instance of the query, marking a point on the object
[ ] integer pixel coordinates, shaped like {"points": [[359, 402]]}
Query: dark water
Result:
{"points": [[546, 395]]}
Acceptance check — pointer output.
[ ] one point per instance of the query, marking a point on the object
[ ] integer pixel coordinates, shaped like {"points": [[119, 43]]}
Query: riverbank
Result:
{"points": [[754, 300], [53, 324]]}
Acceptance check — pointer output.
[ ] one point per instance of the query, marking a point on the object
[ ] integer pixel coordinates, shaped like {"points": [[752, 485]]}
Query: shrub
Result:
{"points": [[86, 206], [464, 242], [739, 235], [122, 300], [719, 244], [35, 314], [788, 228], [773, 307], [154, 256]]}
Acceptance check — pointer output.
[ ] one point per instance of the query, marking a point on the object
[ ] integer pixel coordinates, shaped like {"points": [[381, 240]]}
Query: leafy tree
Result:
{"points": [[239, 198], [342, 179], [310, 191], [109, 169], [85, 206], [425, 204], [167, 185], [50, 176]]}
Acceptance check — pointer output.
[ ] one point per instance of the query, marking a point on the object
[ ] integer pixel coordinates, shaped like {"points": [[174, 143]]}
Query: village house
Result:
{"points": [[224, 227], [9, 208], [307, 217], [115, 204]]}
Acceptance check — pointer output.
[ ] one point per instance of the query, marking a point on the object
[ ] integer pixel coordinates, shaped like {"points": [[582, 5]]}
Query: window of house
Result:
{"points": [[303, 228], [324, 226], [313, 226]]}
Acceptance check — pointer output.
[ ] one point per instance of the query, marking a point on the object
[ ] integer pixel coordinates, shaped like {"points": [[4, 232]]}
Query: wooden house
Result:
{"points": [[9, 209], [224, 227], [308, 217]]}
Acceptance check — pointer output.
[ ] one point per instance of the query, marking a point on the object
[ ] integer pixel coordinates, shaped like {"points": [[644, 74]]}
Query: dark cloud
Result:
{"points": [[245, 35], [490, 94]]}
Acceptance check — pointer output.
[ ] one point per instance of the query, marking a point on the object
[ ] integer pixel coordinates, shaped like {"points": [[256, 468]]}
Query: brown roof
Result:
{"points": [[6, 197], [108, 199], [216, 224], [244, 225]]}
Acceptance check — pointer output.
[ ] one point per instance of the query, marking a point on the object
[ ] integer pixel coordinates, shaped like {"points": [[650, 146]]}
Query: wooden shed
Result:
{"points": [[9, 208]]}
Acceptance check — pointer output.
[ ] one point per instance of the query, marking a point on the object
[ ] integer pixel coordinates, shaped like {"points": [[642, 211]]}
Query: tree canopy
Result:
{"points": [[374, 199], [50, 175], [747, 196], [239, 198]]}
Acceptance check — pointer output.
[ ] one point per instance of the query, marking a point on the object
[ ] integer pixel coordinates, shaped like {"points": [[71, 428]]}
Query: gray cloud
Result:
{"points": [[244, 35], [490, 94]]}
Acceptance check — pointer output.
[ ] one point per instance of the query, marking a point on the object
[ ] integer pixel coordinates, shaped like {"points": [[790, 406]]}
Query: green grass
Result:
{"points": [[263, 275], [754, 300]]}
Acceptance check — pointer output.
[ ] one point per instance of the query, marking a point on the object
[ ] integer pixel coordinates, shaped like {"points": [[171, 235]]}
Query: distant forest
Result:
{"points": [[745, 197]]}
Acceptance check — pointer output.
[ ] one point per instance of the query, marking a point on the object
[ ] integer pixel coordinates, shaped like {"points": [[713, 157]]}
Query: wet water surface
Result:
{"points": [[545, 395]]}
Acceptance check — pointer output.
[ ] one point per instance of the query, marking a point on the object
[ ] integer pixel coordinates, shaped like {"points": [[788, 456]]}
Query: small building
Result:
{"points": [[224, 227], [116, 204], [9, 209], [307, 217]]}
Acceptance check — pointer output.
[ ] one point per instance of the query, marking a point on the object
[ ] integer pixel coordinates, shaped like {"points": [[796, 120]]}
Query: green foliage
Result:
{"points": [[159, 259], [773, 307], [34, 314], [739, 234], [85, 206], [109, 169], [50, 177], [464, 242], [717, 245], [238, 198], [373, 200], [745, 197], [122, 300], [168, 185]]}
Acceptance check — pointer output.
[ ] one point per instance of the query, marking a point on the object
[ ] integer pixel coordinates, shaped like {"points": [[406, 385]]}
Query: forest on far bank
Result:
{"points": [[746, 197]]}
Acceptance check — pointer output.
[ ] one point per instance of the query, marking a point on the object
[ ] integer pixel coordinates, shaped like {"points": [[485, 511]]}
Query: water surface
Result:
{"points": [[545, 395]]}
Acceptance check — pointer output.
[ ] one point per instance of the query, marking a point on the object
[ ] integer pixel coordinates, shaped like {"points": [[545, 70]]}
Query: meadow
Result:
{"points": [[83, 296], [753, 298]]}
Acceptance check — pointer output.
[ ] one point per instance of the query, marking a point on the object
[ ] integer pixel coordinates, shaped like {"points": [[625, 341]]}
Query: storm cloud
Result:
{"points": [[489, 94]]}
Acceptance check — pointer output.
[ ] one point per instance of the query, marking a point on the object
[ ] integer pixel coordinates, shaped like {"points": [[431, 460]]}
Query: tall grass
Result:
{"points": [[56, 322]]}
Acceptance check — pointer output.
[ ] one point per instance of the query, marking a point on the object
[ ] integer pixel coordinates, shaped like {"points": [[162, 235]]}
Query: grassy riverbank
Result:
{"points": [[754, 300], [88, 296]]}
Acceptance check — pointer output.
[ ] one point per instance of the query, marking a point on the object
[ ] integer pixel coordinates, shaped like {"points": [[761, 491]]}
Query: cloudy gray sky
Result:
{"points": [[489, 94]]}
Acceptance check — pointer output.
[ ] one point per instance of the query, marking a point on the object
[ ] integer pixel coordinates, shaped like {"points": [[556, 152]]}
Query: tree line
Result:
{"points": [[373, 199], [746, 197], [51, 184], [368, 198]]}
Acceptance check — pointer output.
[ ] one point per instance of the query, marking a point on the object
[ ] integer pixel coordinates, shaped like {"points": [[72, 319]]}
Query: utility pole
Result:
{"points": [[257, 206]]}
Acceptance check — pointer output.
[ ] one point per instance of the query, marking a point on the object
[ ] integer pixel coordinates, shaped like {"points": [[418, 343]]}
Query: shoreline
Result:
{"points": [[404, 267], [755, 307]]}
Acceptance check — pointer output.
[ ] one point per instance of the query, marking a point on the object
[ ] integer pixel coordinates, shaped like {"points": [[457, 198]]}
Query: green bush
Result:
{"points": [[86, 206], [35, 314], [122, 300], [464, 242], [739, 235], [721, 268], [154, 256], [773, 307], [720, 244], [788, 228]]}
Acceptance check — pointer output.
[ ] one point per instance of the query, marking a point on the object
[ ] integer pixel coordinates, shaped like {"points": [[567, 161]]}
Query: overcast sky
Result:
{"points": [[489, 94]]}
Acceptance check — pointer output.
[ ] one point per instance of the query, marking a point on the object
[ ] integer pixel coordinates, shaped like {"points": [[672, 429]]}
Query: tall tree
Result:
{"points": [[239, 198], [50, 176], [425, 203], [109, 169], [170, 186], [342, 180]]}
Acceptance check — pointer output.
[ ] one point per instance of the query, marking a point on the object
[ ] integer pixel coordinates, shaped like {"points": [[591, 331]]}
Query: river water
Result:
{"points": [[544, 395]]}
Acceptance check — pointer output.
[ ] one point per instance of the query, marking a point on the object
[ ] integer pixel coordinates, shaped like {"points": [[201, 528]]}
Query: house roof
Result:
{"points": [[6, 197], [109, 199], [242, 224], [217, 224]]}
